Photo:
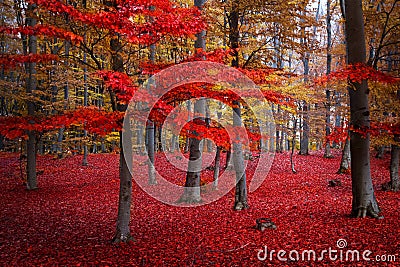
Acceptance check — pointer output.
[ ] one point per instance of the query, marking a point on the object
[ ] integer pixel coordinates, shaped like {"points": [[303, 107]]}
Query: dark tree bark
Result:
{"points": [[327, 153], [364, 201], [304, 141], [394, 168], [394, 183], [31, 85]]}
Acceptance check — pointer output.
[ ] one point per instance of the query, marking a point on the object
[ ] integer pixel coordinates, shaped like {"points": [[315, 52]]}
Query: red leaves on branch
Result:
{"points": [[356, 73], [126, 20], [93, 120], [43, 30], [339, 134], [14, 60], [120, 83]]}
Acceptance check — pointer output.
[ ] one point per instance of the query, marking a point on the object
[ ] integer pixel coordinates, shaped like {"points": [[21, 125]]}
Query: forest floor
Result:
{"points": [[70, 220]]}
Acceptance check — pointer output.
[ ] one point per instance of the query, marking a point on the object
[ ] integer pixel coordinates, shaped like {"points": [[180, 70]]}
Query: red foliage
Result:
{"points": [[93, 120], [70, 220], [8, 61], [356, 73], [167, 19], [44, 30]]}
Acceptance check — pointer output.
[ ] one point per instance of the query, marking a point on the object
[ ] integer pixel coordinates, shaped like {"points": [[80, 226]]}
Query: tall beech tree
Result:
{"points": [[191, 192], [31, 84], [238, 159], [364, 201]]}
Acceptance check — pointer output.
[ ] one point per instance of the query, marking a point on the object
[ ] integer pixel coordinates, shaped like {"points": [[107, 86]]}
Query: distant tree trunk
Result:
{"points": [[228, 160], [216, 167], [394, 183], [150, 152], [364, 201], [85, 104], [345, 162], [380, 152], [31, 85], [292, 165], [306, 131], [327, 153]]}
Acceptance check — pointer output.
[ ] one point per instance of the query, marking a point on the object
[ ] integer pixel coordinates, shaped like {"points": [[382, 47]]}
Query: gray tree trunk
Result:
{"points": [[364, 202], [191, 192], [31, 85], [238, 163], [345, 162], [122, 233], [150, 152], [216, 167], [150, 135]]}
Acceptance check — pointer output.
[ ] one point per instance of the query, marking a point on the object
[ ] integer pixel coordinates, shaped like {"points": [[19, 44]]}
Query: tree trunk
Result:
{"points": [[238, 163], [306, 131], [364, 202], [150, 152], [216, 167], [191, 192], [394, 168], [327, 153], [150, 134], [31, 84], [122, 233], [346, 157]]}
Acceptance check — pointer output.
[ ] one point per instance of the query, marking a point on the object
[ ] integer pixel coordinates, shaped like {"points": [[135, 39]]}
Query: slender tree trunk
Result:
{"points": [[85, 104], [150, 152], [394, 168], [292, 165], [31, 84], [327, 153], [364, 201], [238, 158], [345, 162], [394, 183], [306, 131], [238, 163], [150, 134], [217, 166]]}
